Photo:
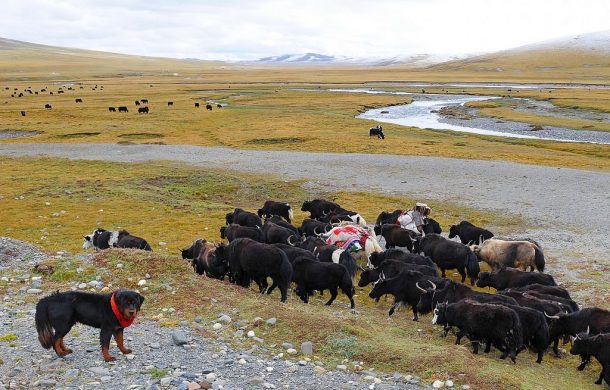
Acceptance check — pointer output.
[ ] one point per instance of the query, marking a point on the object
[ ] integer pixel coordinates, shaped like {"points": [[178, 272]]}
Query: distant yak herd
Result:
{"points": [[141, 110], [333, 245]]}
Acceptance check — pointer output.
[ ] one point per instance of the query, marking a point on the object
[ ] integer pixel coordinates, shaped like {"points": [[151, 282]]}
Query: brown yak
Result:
{"points": [[515, 254]]}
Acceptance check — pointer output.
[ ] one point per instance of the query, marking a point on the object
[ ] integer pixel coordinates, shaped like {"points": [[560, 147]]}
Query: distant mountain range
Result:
{"points": [[323, 59]]}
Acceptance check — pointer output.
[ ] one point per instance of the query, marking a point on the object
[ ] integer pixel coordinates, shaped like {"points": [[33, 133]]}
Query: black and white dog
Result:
{"points": [[104, 239]]}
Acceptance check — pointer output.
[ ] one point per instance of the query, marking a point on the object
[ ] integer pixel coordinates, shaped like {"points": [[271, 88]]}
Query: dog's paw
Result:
{"points": [[67, 351], [109, 359], [126, 351]]}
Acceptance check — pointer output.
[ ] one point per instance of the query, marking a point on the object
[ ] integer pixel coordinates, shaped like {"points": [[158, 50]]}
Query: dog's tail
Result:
{"points": [[43, 324]]}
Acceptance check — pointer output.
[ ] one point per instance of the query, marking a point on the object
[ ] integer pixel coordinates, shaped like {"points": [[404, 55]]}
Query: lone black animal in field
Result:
{"points": [[137, 102], [123, 109], [218, 105], [112, 109], [469, 233], [196, 105], [170, 104], [22, 113], [111, 313], [142, 110], [104, 239], [377, 131], [145, 101], [77, 100], [48, 106], [208, 107]]}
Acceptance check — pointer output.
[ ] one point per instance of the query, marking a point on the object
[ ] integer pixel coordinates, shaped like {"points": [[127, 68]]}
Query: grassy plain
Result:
{"points": [[53, 202]]}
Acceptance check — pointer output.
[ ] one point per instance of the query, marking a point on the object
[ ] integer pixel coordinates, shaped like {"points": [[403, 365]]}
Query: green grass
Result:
{"points": [[156, 373], [9, 337]]}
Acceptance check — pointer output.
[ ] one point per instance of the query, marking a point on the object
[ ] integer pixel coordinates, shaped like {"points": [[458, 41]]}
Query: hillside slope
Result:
{"points": [[24, 60], [583, 58]]}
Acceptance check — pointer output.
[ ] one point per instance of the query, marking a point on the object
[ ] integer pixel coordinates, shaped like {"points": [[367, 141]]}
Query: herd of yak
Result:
{"points": [[529, 309]]}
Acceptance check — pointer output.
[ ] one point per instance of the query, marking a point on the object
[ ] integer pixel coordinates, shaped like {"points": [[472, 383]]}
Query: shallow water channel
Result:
{"points": [[423, 113]]}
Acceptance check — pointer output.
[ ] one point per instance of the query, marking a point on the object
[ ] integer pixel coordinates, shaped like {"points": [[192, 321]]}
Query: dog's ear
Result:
{"points": [[140, 299]]}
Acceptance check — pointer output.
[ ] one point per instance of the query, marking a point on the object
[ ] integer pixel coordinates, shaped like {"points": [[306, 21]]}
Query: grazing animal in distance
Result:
{"points": [[77, 100], [244, 218], [515, 254], [56, 314], [196, 105], [469, 233], [142, 110], [170, 104], [218, 105], [48, 106], [233, 231], [22, 113], [145, 101], [377, 131], [137, 102], [123, 109], [208, 107], [112, 109]]}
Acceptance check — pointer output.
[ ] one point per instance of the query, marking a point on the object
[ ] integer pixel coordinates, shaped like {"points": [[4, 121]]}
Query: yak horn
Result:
{"points": [[433, 285], [420, 289], [551, 317], [288, 240], [315, 232], [588, 330]]}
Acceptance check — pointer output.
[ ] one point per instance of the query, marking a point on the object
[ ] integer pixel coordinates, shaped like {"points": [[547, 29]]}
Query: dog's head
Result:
{"points": [[128, 302]]}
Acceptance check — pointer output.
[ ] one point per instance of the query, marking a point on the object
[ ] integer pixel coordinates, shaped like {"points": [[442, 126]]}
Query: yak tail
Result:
{"points": [[539, 258], [347, 284], [472, 265], [349, 263], [516, 335], [285, 269], [43, 324]]}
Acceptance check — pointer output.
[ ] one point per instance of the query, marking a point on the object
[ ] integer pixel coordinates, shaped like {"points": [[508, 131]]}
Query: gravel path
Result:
{"points": [[158, 362], [566, 209]]}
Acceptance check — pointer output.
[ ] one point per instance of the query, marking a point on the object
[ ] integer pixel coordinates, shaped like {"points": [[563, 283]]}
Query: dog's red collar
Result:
{"points": [[124, 322]]}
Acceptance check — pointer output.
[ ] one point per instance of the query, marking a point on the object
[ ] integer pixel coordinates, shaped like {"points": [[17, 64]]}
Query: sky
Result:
{"points": [[247, 30]]}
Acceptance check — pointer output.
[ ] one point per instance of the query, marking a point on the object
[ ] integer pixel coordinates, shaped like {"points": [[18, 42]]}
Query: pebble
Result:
{"points": [[341, 367], [33, 291], [319, 370], [438, 384], [256, 380], [179, 337], [211, 377], [271, 321], [82, 285], [46, 383], [141, 282], [251, 333], [291, 351], [287, 346], [155, 345], [449, 383], [101, 371], [225, 318], [241, 361], [307, 348], [217, 326], [198, 319], [194, 386]]}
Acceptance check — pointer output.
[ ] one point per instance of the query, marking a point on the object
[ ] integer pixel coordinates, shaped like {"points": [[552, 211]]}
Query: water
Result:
{"points": [[423, 113]]}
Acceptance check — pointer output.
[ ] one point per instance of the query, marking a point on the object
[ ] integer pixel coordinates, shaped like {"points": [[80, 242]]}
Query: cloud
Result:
{"points": [[233, 29]]}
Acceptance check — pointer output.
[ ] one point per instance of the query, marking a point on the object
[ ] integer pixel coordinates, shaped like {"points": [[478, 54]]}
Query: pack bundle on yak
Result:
{"points": [[414, 219], [355, 239]]}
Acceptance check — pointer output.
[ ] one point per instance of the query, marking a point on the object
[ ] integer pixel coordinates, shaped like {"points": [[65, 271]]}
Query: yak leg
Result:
{"points": [[273, 286], [463, 273], [333, 295], [556, 347], [458, 337], [488, 346], [584, 360], [475, 347], [415, 317], [601, 376]]}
